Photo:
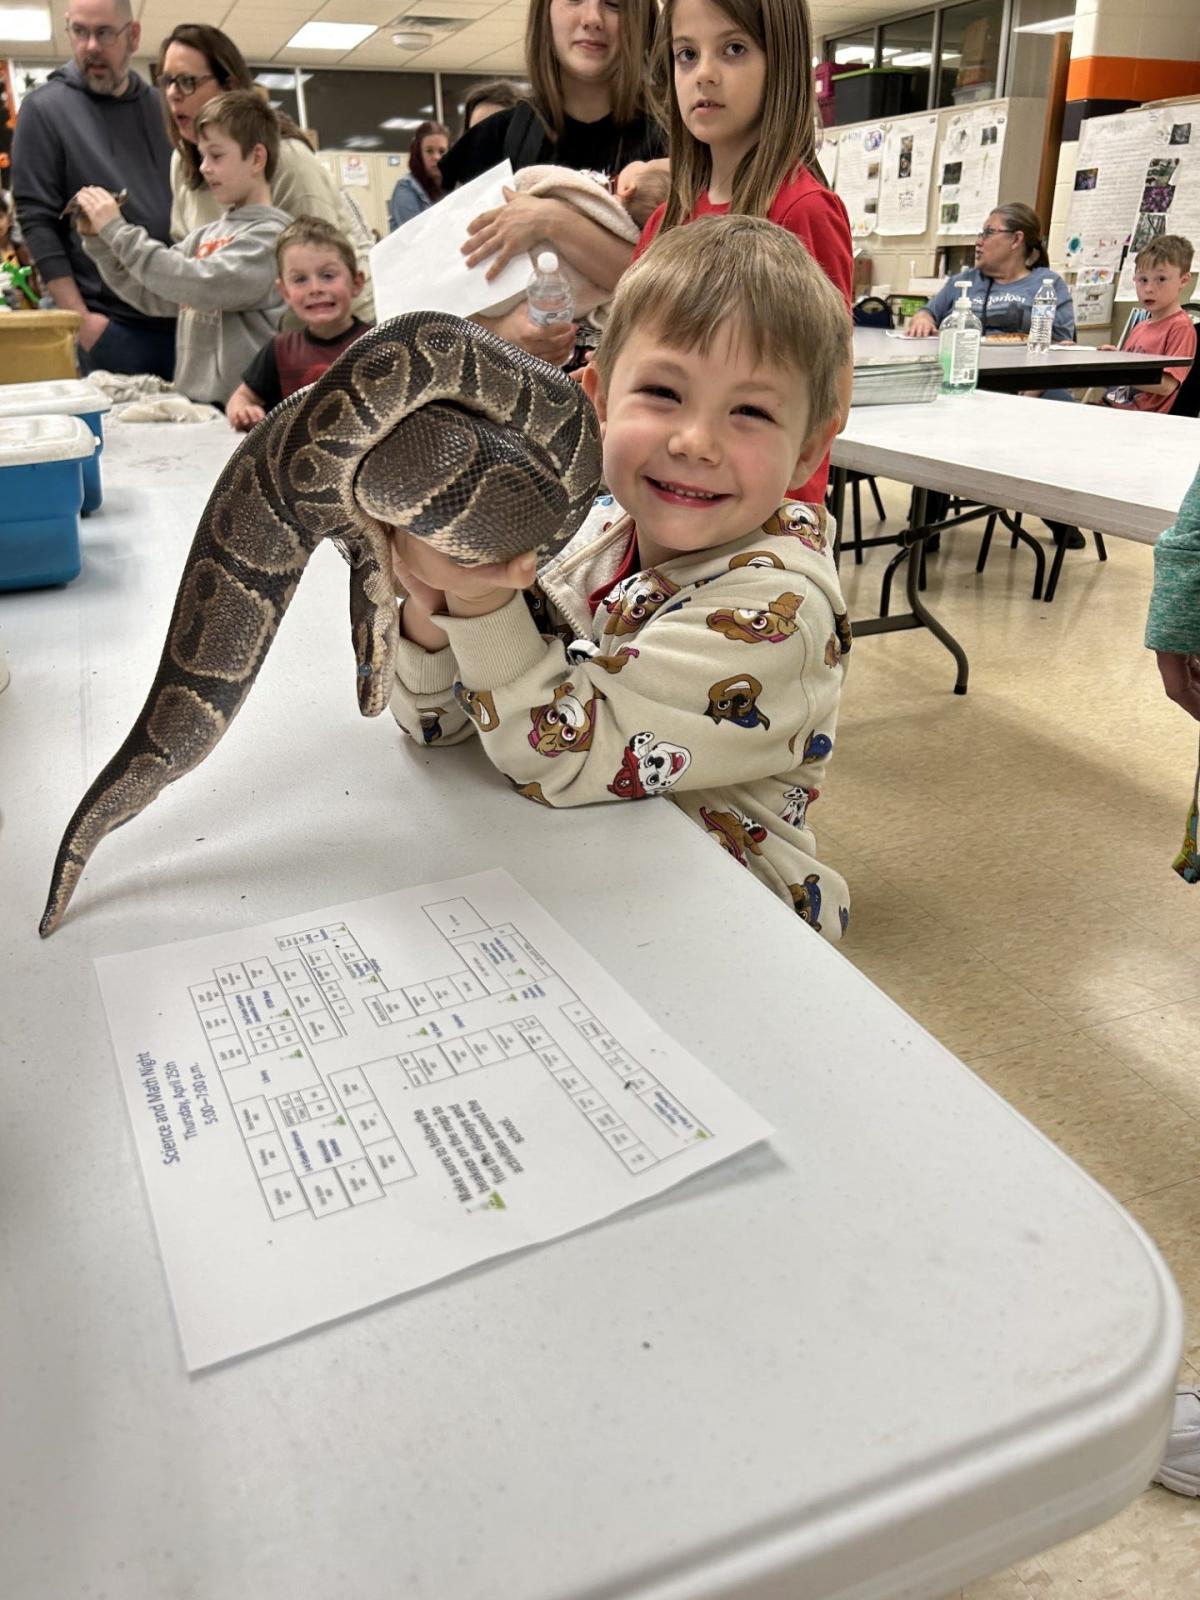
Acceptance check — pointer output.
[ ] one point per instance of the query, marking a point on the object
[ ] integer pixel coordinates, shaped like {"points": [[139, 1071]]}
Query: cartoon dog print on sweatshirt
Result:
{"points": [[736, 700], [756, 558], [635, 600], [431, 723], [567, 723], [648, 767], [799, 521], [580, 650], [480, 706], [806, 900], [796, 802], [771, 625], [530, 791], [736, 833]]}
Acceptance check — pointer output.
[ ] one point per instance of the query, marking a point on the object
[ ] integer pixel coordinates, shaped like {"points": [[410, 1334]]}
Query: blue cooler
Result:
{"points": [[70, 397], [42, 462]]}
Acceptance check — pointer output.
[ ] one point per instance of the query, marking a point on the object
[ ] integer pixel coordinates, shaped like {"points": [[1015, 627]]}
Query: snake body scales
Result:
{"points": [[426, 422]]}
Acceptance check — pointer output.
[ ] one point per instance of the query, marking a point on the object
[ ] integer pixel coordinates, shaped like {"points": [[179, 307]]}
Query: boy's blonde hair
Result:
{"points": [[247, 119], [636, 34], [321, 235], [787, 135], [1168, 250], [743, 271]]}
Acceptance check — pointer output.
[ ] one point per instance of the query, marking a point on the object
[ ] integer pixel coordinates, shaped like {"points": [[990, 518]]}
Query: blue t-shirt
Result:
{"points": [[1006, 307]]}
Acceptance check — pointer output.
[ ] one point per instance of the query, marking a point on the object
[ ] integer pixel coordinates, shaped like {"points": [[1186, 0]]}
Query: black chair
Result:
{"points": [[869, 312]]}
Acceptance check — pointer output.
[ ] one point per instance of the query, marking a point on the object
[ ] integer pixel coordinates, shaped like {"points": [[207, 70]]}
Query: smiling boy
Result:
{"points": [[220, 280], [689, 640]]}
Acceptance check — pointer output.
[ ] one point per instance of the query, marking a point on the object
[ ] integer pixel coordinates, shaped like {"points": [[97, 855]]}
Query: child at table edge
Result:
{"points": [[1161, 273], [696, 651]]}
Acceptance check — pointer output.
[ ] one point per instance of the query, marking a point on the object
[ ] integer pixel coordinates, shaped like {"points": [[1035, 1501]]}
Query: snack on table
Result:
{"points": [[1006, 338]]}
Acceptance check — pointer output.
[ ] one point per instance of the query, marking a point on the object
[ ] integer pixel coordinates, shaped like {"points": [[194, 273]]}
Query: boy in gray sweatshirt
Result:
{"points": [[221, 278]]}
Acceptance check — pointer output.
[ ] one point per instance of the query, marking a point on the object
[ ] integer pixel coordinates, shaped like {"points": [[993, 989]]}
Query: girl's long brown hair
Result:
{"points": [[787, 135], [430, 180], [628, 82], [228, 67]]}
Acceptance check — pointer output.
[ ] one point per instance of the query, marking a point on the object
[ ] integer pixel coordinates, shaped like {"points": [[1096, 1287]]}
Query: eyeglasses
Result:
{"points": [[986, 233], [183, 81], [103, 36]]}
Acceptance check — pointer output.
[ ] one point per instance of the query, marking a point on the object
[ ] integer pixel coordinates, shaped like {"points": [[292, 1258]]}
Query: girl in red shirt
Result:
{"points": [[735, 81]]}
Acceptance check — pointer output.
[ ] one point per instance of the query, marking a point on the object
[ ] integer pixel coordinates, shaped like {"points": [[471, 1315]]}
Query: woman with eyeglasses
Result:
{"points": [[195, 64], [1010, 264]]}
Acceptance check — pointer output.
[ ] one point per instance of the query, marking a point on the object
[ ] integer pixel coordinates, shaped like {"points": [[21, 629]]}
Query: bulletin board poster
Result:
{"points": [[968, 169], [1137, 176], [907, 167], [860, 161], [827, 156], [1169, 201]]}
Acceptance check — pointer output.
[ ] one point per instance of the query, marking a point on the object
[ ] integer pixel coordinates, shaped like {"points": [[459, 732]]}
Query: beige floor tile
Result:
{"points": [[1009, 856], [1131, 1138], [1161, 1045], [1149, 1551], [1171, 1216]]}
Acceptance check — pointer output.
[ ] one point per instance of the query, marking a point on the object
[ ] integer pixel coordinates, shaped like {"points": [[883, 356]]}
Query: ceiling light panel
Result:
{"points": [[334, 36]]}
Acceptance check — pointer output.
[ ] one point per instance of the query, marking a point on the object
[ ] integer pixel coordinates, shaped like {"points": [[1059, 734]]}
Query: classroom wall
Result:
{"points": [[899, 260]]}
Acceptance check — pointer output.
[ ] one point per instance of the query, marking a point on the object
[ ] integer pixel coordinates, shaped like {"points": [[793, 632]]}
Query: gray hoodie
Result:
{"points": [[67, 137], [221, 282]]}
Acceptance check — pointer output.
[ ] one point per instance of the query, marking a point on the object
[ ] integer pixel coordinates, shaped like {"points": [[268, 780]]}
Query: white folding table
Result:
{"points": [[904, 1343], [1122, 473], [1009, 368]]}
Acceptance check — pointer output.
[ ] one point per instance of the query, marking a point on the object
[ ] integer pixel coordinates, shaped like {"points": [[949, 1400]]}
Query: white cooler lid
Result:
{"points": [[72, 396], [28, 441]]}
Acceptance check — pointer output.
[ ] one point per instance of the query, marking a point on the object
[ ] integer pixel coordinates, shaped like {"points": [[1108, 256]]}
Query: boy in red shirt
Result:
{"points": [[1162, 271], [318, 279]]}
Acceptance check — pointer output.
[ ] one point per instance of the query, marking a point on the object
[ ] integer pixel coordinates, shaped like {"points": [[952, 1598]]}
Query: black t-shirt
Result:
{"points": [[294, 359], [585, 147]]}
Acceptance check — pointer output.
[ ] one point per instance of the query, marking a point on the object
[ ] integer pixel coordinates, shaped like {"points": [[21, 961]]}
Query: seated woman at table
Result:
{"points": [[1010, 264]]}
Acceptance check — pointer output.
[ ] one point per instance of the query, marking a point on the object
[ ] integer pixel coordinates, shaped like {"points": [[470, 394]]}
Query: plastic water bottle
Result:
{"points": [[549, 294], [958, 344], [1041, 318]]}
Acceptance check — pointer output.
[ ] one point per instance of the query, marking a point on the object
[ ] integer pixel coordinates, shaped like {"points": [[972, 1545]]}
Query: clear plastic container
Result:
{"points": [[1041, 318]]}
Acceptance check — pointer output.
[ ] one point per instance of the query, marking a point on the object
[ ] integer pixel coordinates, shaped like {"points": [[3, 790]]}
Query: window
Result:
{"points": [[970, 58], [852, 49], [280, 84], [368, 110], [908, 45], [457, 85]]}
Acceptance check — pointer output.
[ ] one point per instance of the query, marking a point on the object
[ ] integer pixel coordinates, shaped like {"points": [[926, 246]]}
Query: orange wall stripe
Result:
{"points": [[1128, 78]]}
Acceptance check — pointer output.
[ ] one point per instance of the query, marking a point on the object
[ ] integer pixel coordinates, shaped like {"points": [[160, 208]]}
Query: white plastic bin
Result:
{"points": [[72, 397]]}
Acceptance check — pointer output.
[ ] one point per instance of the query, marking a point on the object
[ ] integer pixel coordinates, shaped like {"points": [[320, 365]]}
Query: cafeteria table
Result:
{"points": [[1009, 368], [1119, 472], [900, 1344]]}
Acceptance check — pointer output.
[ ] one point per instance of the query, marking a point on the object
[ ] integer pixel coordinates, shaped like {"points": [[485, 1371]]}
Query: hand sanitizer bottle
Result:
{"points": [[958, 344]]}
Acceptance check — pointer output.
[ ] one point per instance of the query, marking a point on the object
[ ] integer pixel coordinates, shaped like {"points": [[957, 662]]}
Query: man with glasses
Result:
{"points": [[96, 122]]}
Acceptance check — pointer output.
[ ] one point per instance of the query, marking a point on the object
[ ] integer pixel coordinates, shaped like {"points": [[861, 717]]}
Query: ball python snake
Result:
{"points": [[425, 422]]}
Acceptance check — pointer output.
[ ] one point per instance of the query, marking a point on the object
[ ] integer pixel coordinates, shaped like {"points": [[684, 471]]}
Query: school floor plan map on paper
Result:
{"points": [[339, 1108]]}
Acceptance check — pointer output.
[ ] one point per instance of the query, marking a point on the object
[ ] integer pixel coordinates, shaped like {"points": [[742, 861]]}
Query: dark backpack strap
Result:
{"points": [[525, 138]]}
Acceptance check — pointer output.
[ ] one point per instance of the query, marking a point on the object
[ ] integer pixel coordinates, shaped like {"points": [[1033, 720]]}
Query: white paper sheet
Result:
{"points": [[907, 165], [860, 157], [421, 267], [337, 1108], [968, 175]]}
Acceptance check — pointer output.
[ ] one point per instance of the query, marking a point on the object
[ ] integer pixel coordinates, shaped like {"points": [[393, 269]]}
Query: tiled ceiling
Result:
{"points": [[483, 36]]}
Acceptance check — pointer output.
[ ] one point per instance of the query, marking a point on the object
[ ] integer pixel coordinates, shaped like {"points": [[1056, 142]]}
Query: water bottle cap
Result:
{"points": [[547, 261]]}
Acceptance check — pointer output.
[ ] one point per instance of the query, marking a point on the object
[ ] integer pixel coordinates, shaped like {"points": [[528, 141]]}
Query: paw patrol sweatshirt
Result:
{"points": [[712, 679]]}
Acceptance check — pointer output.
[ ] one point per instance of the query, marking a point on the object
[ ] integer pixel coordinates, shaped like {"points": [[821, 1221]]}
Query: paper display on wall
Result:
{"points": [[1137, 176], [968, 175], [827, 156], [341, 1107], [859, 162], [907, 163]]}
